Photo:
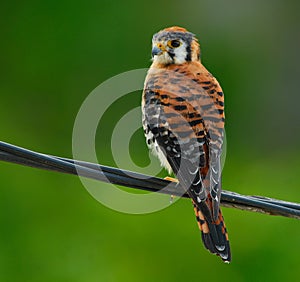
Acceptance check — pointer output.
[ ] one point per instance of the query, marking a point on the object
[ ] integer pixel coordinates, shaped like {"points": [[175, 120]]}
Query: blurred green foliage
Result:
{"points": [[54, 53]]}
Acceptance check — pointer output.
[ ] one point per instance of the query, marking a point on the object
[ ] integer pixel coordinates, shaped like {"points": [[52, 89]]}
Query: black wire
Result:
{"points": [[22, 156]]}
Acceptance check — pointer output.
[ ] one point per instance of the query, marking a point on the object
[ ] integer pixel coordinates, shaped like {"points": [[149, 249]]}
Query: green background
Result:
{"points": [[54, 53]]}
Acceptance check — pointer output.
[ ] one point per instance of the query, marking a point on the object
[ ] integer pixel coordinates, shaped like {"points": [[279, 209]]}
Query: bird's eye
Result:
{"points": [[174, 43]]}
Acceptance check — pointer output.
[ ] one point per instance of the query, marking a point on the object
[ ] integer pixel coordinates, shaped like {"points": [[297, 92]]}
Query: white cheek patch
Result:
{"points": [[180, 54]]}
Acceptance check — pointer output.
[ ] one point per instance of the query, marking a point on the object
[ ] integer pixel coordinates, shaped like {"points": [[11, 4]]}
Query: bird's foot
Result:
{"points": [[171, 179]]}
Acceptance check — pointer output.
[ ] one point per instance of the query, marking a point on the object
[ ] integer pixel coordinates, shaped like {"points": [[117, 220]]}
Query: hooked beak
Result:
{"points": [[157, 50]]}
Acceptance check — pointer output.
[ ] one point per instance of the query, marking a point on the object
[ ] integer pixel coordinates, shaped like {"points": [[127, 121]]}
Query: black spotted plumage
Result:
{"points": [[183, 119]]}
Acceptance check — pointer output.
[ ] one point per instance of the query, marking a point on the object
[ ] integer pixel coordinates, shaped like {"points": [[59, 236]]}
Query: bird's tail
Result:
{"points": [[213, 232]]}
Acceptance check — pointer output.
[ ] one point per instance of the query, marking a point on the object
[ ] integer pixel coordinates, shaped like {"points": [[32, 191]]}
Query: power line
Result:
{"points": [[18, 155]]}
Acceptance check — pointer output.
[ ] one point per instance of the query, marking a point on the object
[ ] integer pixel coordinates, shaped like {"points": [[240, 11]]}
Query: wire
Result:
{"points": [[18, 155]]}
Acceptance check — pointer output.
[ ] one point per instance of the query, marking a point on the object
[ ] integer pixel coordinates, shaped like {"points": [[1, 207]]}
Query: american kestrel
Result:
{"points": [[183, 121]]}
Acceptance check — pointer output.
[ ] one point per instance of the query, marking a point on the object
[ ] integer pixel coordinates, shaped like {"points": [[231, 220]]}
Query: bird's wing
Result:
{"points": [[184, 110]]}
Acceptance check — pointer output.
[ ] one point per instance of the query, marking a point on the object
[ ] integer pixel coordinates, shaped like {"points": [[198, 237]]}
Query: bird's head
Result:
{"points": [[174, 45]]}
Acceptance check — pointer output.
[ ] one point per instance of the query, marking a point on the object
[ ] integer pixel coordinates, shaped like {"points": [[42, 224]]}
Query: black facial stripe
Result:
{"points": [[188, 57], [172, 55]]}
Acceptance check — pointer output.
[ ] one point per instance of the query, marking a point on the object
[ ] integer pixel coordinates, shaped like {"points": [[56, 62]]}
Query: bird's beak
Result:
{"points": [[158, 49]]}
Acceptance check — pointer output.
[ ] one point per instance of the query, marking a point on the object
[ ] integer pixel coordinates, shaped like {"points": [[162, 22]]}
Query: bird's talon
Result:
{"points": [[171, 179]]}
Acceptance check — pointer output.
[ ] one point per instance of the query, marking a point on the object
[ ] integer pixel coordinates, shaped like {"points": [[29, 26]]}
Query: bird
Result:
{"points": [[183, 121]]}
